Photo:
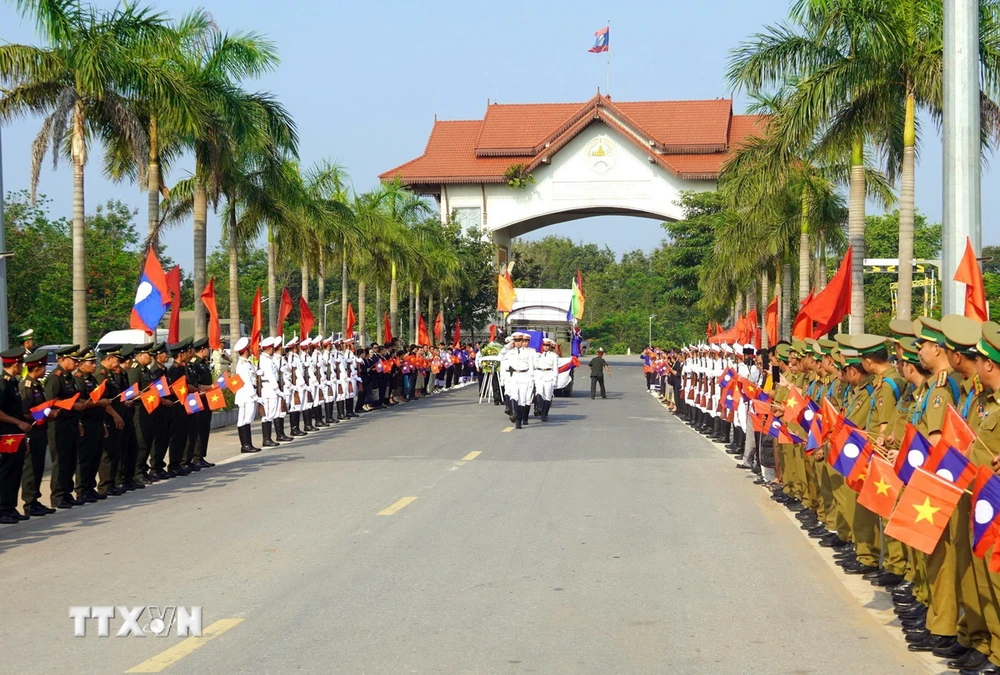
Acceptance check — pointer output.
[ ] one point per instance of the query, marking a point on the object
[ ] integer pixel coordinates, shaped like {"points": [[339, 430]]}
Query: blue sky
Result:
{"points": [[364, 81]]}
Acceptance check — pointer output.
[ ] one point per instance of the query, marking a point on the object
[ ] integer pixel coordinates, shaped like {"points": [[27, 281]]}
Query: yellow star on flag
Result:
{"points": [[214, 398], [925, 511], [150, 398], [233, 382], [8, 441], [182, 390], [882, 487]]}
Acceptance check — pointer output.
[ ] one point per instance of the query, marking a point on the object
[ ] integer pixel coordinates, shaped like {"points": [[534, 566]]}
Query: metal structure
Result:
{"points": [[930, 268]]}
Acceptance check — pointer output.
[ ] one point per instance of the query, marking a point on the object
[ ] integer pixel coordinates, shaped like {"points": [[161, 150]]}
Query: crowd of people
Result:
{"points": [[117, 419], [892, 389]]}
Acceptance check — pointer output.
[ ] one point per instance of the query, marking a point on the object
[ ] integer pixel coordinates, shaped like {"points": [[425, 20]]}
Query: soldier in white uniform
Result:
{"points": [[546, 369], [520, 365], [281, 369], [269, 387], [246, 397], [504, 376], [297, 389]]}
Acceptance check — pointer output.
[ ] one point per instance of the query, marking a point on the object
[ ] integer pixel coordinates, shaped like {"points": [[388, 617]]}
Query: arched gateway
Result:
{"points": [[595, 158]]}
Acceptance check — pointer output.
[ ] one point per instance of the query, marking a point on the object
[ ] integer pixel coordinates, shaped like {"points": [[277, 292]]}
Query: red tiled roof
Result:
{"points": [[691, 139]]}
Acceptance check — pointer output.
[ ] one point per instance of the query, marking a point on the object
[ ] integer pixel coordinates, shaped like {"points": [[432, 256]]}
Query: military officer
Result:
{"points": [[64, 428], [520, 364], [270, 390], [15, 427], [111, 444], [202, 367], [161, 420], [139, 373], [27, 341], [125, 476], [546, 371], [92, 422], [32, 396], [246, 397]]}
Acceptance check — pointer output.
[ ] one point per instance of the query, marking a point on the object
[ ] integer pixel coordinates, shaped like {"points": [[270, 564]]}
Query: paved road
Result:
{"points": [[610, 540]]}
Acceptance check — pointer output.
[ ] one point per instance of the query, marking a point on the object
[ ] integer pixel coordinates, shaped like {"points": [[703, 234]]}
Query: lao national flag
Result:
{"points": [[913, 453], [985, 509], [221, 382], [152, 296], [41, 412], [161, 386], [601, 41], [130, 393], [813, 441], [954, 467], [726, 378], [192, 403], [809, 415], [850, 451]]}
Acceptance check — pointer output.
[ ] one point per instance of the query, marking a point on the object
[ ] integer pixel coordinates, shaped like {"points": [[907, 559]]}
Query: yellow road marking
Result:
{"points": [[472, 455], [397, 506], [507, 429], [180, 650]]}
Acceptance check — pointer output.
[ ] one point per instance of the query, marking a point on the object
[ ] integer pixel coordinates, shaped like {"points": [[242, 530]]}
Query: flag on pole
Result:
{"points": [[234, 382], [67, 403], [968, 273], [923, 511], [130, 393], [42, 411], [601, 40], [180, 387], [284, 309], [881, 488], [192, 403], [216, 401], [256, 323], [577, 300], [98, 392], [387, 328], [505, 292], [174, 286], [829, 307], [151, 399], [9, 443], [985, 509], [458, 333], [306, 319], [351, 320], [438, 327], [152, 296], [214, 327], [423, 339]]}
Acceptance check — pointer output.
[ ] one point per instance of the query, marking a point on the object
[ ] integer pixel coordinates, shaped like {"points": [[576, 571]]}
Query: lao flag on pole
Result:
{"points": [[849, 453], [601, 40], [130, 393], [985, 509], [152, 296], [954, 467], [192, 403], [161, 387], [41, 412], [221, 382], [809, 415], [913, 453]]}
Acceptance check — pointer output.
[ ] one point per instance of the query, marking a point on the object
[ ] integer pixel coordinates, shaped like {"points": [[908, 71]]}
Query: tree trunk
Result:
{"points": [[153, 186], [819, 277], [234, 281], [765, 300], [904, 297], [786, 304], [856, 237], [321, 291], [362, 309], [430, 318], [304, 271], [79, 150], [394, 299], [274, 303], [804, 257], [738, 308], [343, 289], [378, 313], [412, 306], [199, 232]]}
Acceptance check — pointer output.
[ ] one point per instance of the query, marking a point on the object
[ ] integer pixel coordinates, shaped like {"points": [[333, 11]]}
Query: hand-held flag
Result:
{"points": [[923, 511], [98, 392], [151, 399], [180, 387], [985, 509], [234, 382], [955, 468], [130, 393], [66, 403], [192, 403], [881, 488], [41, 412], [152, 296], [9, 443], [913, 453], [216, 401]]}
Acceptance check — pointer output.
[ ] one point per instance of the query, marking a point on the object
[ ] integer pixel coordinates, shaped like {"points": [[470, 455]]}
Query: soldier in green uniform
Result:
{"points": [[92, 423], [32, 396], [111, 444], [203, 420], [161, 420], [64, 427], [179, 424], [12, 423], [139, 373]]}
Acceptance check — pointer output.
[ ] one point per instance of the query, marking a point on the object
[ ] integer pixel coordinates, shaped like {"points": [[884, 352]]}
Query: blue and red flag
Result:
{"points": [[954, 467], [850, 451], [221, 382], [985, 509], [601, 39], [152, 296], [161, 386], [130, 393], [913, 453], [41, 412], [192, 403], [809, 415]]}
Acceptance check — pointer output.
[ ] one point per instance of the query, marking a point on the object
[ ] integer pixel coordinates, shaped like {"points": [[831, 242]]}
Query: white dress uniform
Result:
{"points": [[269, 385], [299, 372], [521, 367], [246, 397], [546, 368]]}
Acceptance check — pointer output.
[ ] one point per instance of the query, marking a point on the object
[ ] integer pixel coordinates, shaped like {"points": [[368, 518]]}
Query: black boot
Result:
{"points": [[246, 439], [538, 405], [341, 411], [317, 413], [331, 418], [516, 415], [279, 424], [265, 428], [525, 412], [296, 418], [307, 420], [349, 408], [545, 410]]}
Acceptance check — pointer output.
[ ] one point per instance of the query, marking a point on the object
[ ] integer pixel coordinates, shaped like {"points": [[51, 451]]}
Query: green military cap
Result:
{"points": [[145, 348], [36, 357], [961, 334], [111, 350], [926, 329], [783, 351], [989, 343], [86, 354], [158, 348], [844, 340], [900, 328], [68, 352], [826, 346], [867, 343], [126, 352], [186, 343], [799, 346], [910, 350], [200, 344], [175, 348], [850, 356]]}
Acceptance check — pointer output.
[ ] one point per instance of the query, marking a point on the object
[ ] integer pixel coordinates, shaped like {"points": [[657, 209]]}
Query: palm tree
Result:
{"points": [[95, 63], [403, 208]]}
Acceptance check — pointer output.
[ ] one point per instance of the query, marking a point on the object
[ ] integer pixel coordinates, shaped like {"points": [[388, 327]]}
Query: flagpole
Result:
{"points": [[608, 92]]}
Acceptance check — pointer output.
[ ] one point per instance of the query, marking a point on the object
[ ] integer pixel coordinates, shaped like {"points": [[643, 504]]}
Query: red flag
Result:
{"points": [[387, 328], [180, 387], [708, 330], [216, 401], [955, 431], [802, 327], [351, 320], [438, 327], [422, 338], [151, 399], [306, 320], [505, 292], [795, 403], [9, 443], [829, 307], [923, 511], [257, 322], [234, 382], [493, 331], [771, 322], [832, 420], [214, 328], [98, 392], [174, 286], [458, 333], [968, 273], [66, 403], [284, 309], [881, 488]]}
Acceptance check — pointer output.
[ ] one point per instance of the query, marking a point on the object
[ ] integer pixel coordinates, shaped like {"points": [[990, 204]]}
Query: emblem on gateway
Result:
{"points": [[600, 155]]}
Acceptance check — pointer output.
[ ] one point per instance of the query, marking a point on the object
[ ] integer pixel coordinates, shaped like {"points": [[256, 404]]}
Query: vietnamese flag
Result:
{"points": [[968, 273], [923, 511], [913, 453], [985, 509], [67, 403], [234, 382], [860, 471], [98, 392], [881, 488], [795, 403], [351, 320], [151, 399], [284, 309], [174, 286], [216, 401], [306, 319], [9, 443], [180, 387], [214, 328], [832, 420], [955, 432]]}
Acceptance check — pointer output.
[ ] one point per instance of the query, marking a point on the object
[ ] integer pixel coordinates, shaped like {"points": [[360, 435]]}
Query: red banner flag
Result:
{"points": [[386, 328], [923, 511], [802, 327], [257, 323], [284, 309], [174, 286], [351, 320], [214, 328], [505, 292], [833, 303], [493, 331], [438, 327], [423, 339], [306, 320], [771, 322], [968, 273], [458, 333]]}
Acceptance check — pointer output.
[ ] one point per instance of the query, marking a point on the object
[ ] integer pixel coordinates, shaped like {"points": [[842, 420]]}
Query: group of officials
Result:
{"points": [[524, 377], [91, 416], [948, 600]]}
